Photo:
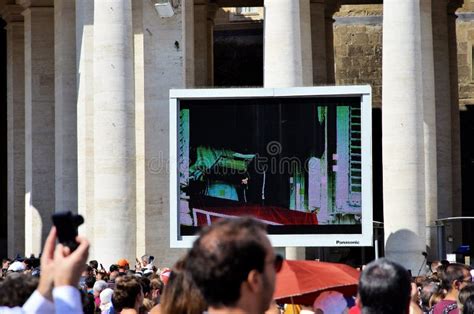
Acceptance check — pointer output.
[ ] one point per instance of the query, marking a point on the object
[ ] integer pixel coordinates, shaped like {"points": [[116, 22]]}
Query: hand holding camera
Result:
{"points": [[66, 224]]}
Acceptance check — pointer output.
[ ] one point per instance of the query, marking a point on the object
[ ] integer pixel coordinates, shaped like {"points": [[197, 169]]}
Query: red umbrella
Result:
{"points": [[300, 282]]}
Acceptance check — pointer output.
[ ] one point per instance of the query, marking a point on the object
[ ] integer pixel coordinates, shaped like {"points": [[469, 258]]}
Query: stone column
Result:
{"points": [[287, 53], [211, 14], [139, 68], [188, 43], [322, 39], [443, 120], [39, 125], [407, 128], [429, 118], [114, 131], [287, 42], [200, 49], [85, 115], [203, 42], [455, 123], [330, 9], [16, 128], [318, 41], [164, 69], [65, 105]]}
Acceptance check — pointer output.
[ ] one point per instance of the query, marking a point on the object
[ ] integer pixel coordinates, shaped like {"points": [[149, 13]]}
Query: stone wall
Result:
{"points": [[358, 48], [162, 71], [465, 39]]}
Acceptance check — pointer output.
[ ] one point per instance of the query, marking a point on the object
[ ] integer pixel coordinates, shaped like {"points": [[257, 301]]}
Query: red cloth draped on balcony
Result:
{"points": [[268, 214]]}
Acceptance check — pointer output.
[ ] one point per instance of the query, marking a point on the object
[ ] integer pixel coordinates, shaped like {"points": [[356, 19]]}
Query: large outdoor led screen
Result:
{"points": [[297, 159]]}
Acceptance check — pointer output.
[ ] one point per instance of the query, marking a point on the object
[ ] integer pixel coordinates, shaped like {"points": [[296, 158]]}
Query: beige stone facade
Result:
{"points": [[358, 48], [88, 118], [465, 36]]}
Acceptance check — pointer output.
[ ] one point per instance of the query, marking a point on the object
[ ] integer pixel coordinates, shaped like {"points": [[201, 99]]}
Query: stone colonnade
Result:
{"points": [[88, 121], [88, 86], [418, 120], [39, 124], [16, 128]]}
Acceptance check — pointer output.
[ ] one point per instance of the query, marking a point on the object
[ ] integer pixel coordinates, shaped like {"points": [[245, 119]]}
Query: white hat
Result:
{"points": [[106, 296], [17, 266]]}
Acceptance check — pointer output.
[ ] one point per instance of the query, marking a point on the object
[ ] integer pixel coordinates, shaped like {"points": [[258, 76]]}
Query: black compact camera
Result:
{"points": [[66, 224]]}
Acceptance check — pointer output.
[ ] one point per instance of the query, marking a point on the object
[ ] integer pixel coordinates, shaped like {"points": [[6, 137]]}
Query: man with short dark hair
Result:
{"points": [[453, 279], [384, 287], [95, 265], [89, 284], [233, 264], [114, 270], [113, 275]]}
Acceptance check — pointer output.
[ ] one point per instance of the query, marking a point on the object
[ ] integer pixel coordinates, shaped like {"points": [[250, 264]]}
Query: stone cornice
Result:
{"points": [[35, 3], [359, 20], [12, 13]]}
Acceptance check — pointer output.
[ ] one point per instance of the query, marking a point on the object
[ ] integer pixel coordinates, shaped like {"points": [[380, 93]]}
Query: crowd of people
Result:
{"points": [[231, 268]]}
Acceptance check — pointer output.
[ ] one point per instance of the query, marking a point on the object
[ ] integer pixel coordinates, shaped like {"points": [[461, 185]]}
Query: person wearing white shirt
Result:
{"points": [[60, 273]]}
